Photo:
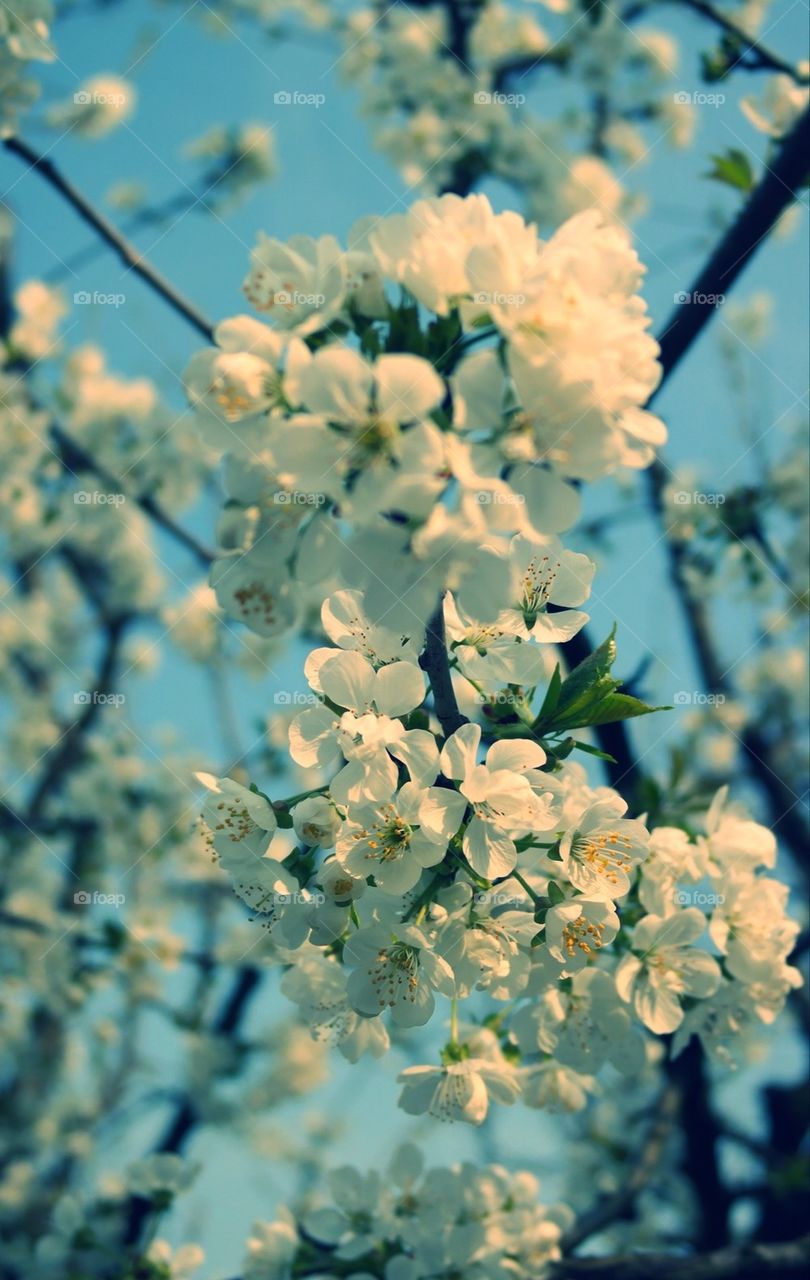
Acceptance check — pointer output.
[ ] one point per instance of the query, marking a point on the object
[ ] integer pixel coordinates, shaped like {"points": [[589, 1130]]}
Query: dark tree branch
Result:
{"points": [[788, 1261], [435, 664], [768, 201], [126, 251], [762, 59]]}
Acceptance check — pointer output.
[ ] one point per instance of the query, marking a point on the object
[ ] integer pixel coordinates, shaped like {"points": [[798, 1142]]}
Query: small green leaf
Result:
{"points": [[734, 169]]}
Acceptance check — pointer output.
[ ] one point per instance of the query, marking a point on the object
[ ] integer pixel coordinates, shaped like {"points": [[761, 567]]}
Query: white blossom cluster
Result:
{"points": [[503, 370], [429, 868], [411, 1222]]}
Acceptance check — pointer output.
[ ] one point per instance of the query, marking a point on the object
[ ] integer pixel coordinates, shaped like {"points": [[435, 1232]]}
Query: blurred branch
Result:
{"points": [[743, 1262], [66, 753], [126, 251], [647, 1166], [75, 457], [761, 58], [186, 1115]]}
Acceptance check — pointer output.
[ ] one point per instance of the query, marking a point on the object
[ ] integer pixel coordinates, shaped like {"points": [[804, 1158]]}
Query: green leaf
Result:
{"points": [[590, 750], [552, 694], [619, 706], [734, 169], [555, 893], [588, 696]]}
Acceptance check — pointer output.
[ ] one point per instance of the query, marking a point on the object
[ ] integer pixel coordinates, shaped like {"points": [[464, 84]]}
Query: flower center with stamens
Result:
{"points": [[605, 852], [387, 839], [395, 975], [582, 935]]}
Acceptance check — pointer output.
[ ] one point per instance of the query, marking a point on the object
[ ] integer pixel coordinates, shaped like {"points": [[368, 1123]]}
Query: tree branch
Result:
{"points": [[76, 458], [765, 205], [766, 60], [437, 668], [787, 1261], [126, 251]]}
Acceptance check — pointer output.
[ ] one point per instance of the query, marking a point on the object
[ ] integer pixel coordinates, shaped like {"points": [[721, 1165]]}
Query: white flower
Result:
{"points": [[577, 930], [672, 859], [394, 842], [398, 974], [582, 1027], [663, 967], [390, 455], [235, 816], [503, 800], [734, 842], [751, 929], [316, 821], [179, 1264], [457, 1090], [318, 987], [347, 625], [300, 284], [543, 572], [600, 851], [39, 310], [371, 740], [271, 1249], [255, 588], [251, 370]]}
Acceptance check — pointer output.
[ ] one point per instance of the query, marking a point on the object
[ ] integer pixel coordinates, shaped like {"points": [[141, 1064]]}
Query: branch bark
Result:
{"points": [[437, 668]]}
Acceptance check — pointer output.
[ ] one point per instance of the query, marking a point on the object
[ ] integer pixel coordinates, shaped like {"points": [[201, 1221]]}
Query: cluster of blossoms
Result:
{"points": [[416, 402], [428, 866], [411, 1222]]}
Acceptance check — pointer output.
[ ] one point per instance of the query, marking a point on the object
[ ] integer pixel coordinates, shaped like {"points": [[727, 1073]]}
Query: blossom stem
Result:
{"points": [[454, 1021]]}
